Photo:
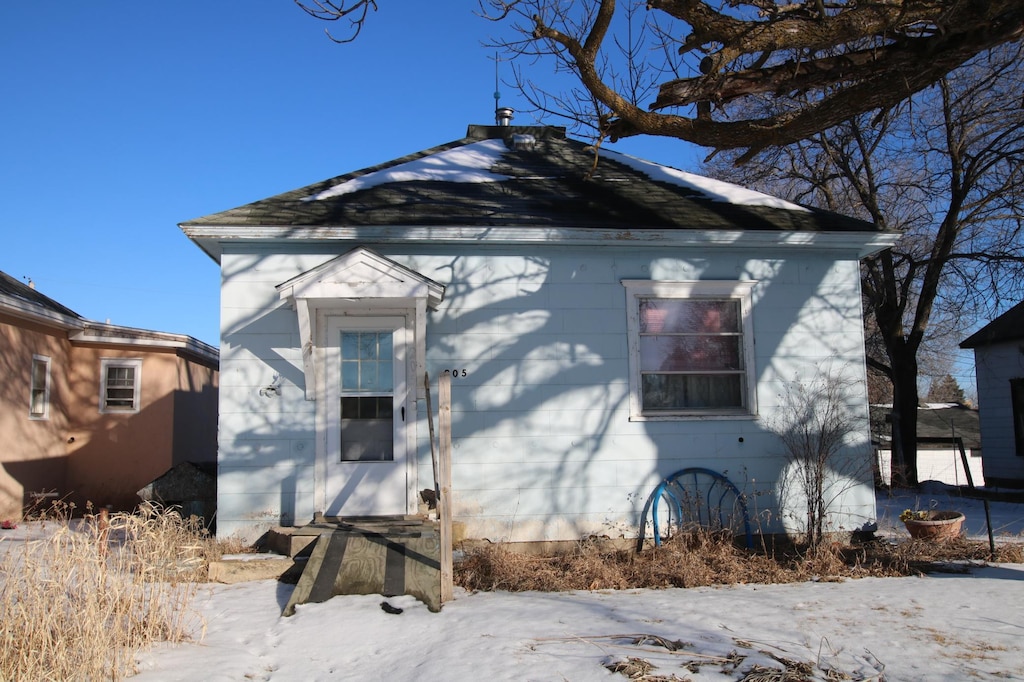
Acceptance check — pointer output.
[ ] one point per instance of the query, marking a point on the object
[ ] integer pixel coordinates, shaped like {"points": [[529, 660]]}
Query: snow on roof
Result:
{"points": [[468, 163], [473, 162], [716, 190]]}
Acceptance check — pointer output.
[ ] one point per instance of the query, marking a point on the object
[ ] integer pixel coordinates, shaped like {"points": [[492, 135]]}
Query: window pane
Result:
{"points": [[368, 346], [662, 315], [350, 375], [368, 376], [37, 393], [120, 388], [366, 362], [349, 346], [386, 349], [367, 429], [38, 374], [691, 391], [682, 353], [120, 397], [121, 376]]}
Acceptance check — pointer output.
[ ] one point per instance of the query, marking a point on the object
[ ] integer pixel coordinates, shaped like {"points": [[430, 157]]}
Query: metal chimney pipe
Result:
{"points": [[503, 116]]}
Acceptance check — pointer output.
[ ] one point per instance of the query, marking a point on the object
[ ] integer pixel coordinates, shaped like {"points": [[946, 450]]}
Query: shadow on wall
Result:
{"points": [[119, 454], [543, 443], [32, 482]]}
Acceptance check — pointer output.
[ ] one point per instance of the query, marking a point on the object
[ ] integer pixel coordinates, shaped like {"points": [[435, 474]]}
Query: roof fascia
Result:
{"points": [[116, 335], [36, 313], [212, 237]]}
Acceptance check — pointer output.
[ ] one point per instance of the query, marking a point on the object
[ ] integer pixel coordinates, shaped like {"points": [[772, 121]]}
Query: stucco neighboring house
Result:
{"points": [[607, 321], [92, 412], [999, 367], [942, 428]]}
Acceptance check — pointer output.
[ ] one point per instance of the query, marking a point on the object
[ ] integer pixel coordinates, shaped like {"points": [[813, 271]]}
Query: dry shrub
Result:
{"points": [[922, 554], [706, 558], [80, 603]]}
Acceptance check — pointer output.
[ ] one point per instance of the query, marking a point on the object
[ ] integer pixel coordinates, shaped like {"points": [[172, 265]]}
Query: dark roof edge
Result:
{"points": [[23, 295], [1007, 327]]}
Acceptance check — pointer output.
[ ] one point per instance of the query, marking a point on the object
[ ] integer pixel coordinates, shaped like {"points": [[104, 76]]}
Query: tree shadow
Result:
{"points": [[543, 445]]}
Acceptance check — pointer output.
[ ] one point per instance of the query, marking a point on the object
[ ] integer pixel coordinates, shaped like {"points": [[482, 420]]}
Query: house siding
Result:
{"points": [[543, 448], [996, 365], [114, 455], [34, 450], [82, 455]]}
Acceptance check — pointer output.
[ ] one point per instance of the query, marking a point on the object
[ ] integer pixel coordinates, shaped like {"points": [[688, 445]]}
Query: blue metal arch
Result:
{"points": [[667, 490]]}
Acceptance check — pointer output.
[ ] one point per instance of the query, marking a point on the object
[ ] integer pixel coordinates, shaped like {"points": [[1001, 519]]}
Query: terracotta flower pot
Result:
{"points": [[936, 525]]}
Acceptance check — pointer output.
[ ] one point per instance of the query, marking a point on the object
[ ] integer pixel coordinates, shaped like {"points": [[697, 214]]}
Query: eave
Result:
{"points": [[27, 310], [109, 334], [212, 238]]}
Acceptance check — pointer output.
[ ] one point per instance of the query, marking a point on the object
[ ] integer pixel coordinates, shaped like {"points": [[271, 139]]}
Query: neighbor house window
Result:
{"points": [[39, 393], [690, 349], [119, 390], [1017, 401]]}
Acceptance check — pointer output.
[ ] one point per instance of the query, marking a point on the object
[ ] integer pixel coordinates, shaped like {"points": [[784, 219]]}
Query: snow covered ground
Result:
{"points": [[940, 627], [948, 626]]}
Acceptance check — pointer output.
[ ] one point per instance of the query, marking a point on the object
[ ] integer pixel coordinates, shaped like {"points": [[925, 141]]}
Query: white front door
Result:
{"points": [[368, 402]]}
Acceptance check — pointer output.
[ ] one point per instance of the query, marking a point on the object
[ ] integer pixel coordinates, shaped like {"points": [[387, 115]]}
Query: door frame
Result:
{"points": [[405, 436]]}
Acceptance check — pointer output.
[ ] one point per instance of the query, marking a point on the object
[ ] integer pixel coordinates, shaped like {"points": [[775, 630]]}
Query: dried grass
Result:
{"points": [[707, 558], [81, 603]]}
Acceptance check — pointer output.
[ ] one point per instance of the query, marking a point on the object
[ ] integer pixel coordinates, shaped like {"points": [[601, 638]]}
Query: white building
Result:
{"points": [[999, 366], [607, 320]]}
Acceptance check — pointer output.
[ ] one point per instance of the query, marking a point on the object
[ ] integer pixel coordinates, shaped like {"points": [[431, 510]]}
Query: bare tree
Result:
{"points": [[843, 57], [947, 169]]}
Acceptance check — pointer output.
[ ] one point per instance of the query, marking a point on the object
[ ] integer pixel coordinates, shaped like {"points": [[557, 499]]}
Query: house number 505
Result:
{"points": [[455, 372]]}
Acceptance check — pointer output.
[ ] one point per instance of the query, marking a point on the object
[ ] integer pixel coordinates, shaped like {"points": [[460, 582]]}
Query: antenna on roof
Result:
{"points": [[502, 115], [497, 92]]}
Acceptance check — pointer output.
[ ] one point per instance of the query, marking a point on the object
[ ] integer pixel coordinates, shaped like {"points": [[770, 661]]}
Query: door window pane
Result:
{"points": [[367, 427], [367, 402], [366, 362]]}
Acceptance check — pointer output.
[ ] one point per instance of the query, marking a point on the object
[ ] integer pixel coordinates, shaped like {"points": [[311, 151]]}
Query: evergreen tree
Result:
{"points": [[945, 389]]}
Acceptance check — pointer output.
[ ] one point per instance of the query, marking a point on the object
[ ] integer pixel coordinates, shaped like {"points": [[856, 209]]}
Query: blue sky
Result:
{"points": [[122, 119]]}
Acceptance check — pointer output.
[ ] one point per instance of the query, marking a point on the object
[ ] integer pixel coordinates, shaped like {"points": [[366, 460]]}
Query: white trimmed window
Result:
{"points": [[39, 392], [119, 387], [691, 349]]}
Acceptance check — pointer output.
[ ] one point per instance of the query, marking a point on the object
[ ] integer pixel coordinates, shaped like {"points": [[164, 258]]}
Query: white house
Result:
{"points": [[607, 321], [999, 367]]}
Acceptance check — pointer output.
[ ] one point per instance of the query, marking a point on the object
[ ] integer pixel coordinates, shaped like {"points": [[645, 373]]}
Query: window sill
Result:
{"points": [[694, 416]]}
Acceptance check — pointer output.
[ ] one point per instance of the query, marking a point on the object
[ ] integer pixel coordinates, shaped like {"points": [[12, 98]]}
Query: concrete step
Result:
{"points": [[371, 557], [245, 567], [297, 540]]}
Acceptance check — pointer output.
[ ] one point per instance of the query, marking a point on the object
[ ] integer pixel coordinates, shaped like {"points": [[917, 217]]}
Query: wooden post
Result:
{"points": [[444, 475], [433, 439], [963, 458]]}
